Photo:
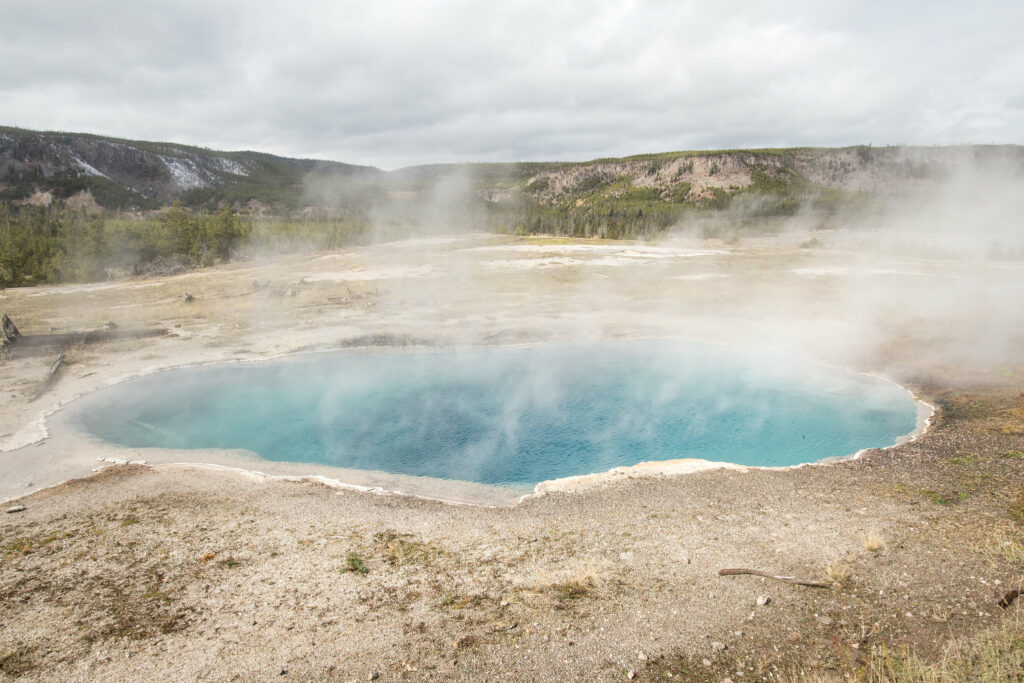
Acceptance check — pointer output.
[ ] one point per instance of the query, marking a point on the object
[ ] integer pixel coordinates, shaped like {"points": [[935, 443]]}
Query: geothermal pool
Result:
{"points": [[510, 416]]}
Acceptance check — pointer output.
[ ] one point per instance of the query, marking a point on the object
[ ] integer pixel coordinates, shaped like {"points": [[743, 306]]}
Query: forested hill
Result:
{"points": [[41, 168], [131, 174]]}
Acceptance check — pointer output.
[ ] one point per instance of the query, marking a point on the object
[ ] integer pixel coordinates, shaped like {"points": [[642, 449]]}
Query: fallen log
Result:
{"points": [[37, 344], [773, 577], [50, 378]]}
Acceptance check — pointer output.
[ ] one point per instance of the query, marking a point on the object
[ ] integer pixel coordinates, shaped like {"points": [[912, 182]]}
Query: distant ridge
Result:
{"points": [[140, 174], [43, 167]]}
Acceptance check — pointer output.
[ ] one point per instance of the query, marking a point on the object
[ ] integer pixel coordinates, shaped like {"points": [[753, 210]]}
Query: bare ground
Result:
{"points": [[172, 571]]}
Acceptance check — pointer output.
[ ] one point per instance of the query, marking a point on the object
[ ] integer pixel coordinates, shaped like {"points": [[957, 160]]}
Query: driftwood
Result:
{"points": [[784, 579], [50, 378]]}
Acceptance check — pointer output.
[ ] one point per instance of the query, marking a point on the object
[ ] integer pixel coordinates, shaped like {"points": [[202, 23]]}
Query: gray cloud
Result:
{"points": [[394, 83]]}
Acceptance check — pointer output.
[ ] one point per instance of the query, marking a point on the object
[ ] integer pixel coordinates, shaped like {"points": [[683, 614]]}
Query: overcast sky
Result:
{"points": [[398, 82]]}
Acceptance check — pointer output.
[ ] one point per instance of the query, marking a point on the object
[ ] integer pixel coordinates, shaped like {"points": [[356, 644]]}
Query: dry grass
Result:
{"points": [[838, 573], [402, 549], [577, 582], [1006, 547], [991, 656], [874, 542], [78, 353]]}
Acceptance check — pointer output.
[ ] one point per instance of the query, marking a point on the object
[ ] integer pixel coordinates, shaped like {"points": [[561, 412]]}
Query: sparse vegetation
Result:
{"points": [[838, 573], [936, 497], [400, 549], [873, 542], [573, 584], [354, 563], [993, 655], [17, 662], [1006, 547]]}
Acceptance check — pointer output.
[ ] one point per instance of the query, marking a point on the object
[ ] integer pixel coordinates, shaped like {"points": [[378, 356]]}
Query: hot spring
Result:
{"points": [[510, 416]]}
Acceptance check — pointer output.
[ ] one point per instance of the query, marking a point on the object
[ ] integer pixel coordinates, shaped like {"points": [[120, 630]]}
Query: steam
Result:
{"points": [[917, 268], [923, 284]]}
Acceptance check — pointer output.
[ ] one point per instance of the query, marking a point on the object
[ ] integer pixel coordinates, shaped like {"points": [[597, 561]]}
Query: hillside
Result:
{"points": [[129, 174], [77, 207], [40, 167]]}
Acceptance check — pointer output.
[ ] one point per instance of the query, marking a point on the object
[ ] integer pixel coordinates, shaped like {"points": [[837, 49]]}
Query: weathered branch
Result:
{"points": [[784, 579], [50, 377]]}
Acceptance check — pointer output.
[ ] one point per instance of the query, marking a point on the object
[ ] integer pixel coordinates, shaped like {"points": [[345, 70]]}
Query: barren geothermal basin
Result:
{"points": [[509, 416]]}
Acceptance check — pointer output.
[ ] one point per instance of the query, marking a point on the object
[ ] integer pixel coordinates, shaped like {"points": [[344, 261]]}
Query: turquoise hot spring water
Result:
{"points": [[511, 416]]}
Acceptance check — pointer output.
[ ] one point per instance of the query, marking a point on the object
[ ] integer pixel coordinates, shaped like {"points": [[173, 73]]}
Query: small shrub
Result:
{"points": [[354, 563]]}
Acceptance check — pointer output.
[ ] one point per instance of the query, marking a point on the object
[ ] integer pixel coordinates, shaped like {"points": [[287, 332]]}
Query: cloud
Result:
{"points": [[394, 83]]}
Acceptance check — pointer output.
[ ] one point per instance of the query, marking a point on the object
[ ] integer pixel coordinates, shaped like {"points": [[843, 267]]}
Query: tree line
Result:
{"points": [[43, 244]]}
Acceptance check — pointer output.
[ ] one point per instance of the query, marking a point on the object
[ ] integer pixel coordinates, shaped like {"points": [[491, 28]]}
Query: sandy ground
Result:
{"points": [[185, 571]]}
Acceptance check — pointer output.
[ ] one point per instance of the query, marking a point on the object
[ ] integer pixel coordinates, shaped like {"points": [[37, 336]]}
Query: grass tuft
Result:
{"points": [[873, 542], [574, 584], [838, 573]]}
